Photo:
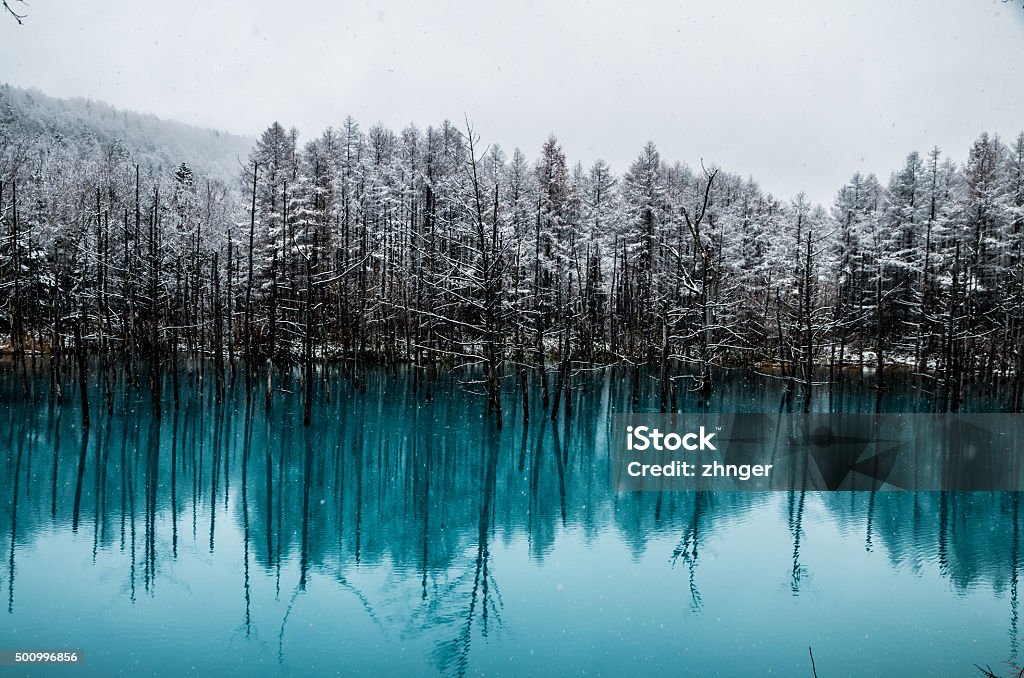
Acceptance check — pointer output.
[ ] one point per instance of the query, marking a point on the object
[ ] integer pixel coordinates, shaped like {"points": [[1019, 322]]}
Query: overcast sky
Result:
{"points": [[798, 94]]}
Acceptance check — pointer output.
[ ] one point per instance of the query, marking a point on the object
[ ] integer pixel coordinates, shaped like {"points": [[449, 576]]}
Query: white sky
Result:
{"points": [[798, 93]]}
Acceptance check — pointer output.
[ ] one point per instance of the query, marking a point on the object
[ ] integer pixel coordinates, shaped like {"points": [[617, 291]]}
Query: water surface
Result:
{"points": [[403, 537]]}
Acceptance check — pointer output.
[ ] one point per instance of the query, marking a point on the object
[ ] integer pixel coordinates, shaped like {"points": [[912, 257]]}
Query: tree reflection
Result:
{"points": [[423, 492]]}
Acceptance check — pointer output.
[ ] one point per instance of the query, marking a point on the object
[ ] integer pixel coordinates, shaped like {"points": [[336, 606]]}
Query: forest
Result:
{"points": [[433, 250]]}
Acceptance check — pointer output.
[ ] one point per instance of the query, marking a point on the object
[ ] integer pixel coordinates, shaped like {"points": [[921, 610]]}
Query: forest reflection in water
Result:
{"points": [[402, 533]]}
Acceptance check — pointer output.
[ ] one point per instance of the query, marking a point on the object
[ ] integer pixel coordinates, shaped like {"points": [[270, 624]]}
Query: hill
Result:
{"points": [[151, 140]]}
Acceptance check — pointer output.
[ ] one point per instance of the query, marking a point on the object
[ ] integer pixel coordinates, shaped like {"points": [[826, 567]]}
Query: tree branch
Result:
{"points": [[10, 10]]}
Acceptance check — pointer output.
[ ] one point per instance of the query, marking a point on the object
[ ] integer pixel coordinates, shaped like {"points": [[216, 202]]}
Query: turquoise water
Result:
{"points": [[402, 537]]}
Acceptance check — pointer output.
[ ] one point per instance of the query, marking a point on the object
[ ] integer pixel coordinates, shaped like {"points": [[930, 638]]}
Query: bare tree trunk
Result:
{"points": [[249, 365]]}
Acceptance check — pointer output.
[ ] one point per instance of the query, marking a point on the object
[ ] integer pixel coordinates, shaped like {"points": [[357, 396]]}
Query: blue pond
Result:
{"points": [[397, 536]]}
